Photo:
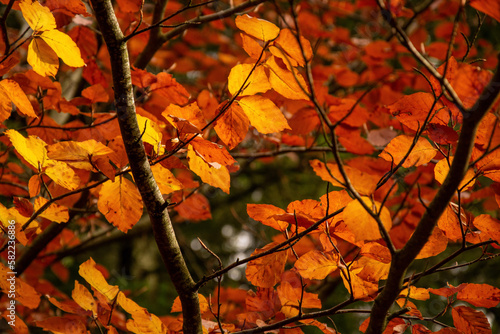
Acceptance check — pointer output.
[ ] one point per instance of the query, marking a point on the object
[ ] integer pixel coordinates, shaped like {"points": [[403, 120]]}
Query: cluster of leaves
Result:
{"points": [[387, 120]]}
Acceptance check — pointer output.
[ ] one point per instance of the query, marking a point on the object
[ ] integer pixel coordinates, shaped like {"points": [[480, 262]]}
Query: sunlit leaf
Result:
{"points": [[316, 264], [177, 306], [214, 175], [39, 17], [78, 154], [291, 47], [54, 212], [470, 321], [263, 114], [121, 203], [290, 85], [443, 167], [258, 28], [489, 7], [18, 97], [480, 295], [32, 149], [82, 296], [422, 152], [361, 223], [165, 179], [249, 79], [436, 244], [63, 325], [290, 297], [264, 213], [96, 279], [489, 225], [150, 133], [24, 293], [64, 47], [266, 271], [42, 58], [232, 127]]}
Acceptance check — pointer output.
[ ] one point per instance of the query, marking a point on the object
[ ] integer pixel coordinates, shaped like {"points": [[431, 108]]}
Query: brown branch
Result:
{"points": [[403, 258], [141, 169]]}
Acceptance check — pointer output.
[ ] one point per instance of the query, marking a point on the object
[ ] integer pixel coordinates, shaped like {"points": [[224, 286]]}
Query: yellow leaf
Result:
{"points": [[54, 212], [151, 133], [316, 265], [165, 179], [436, 244], [78, 154], [263, 114], [62, 174], [290, 85], [39, 17], [204, 307], [18, 97], [64, 47], [256, 83], [82, 296], [258, 28], [416, 293], [422, 152], [25, 293], [216, 177], [441, 171], [5, 106], [32, 149], [120, 202], [96, 279], [251, 46], [361, 223], [291, 296], [42, 58]]}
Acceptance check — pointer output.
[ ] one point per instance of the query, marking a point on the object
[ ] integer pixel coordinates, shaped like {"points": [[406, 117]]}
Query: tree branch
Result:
{"points": [[141, 169]]}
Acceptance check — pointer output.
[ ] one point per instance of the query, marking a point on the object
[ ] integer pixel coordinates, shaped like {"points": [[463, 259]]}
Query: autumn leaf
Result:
{"points": [[32, 149], [232, 127], [190, 113], [165, 179], [470, 321], [291, 50], [54, 212], [415, 293], [291, 297], [266, 271], [96, 279], [316, 264], [204, 307], [264, 213], [361, 223], [249, 78], [289, 84], [479, 295], [489, 7], [48, 43], [441, 171], [258, 28], [25, 294], [121, 203], [82, 296], [489, 225], [11, 91], [422, 152], [63, 325], [215, 175], [79, 154], [263, 114]]}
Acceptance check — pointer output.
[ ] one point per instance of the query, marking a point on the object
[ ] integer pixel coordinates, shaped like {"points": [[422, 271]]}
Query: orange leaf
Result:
{"points": [[54, 212], [264, 213], [289, 84], [24, 293], [364, 183], [316, 264], [62, 174], [32, 149], [258, 28], [436, 244], [169, 88], [361, 289], [195, 207], [376, 251], [82, 296], [15, 94], [489, 7], [251, 46], [215, 175], [177, 306], [263, 114], [361, 223], [450, 225], [165, 179], [257, 81], [470, 321], [63, 325], [290, 297], [232, 127], [489, 225], [212, 153], [415, 293], [192, 113], [95, 93], [291, 47], [480, 295], [266, 271], [78, 154], [412, 110], [130, 6], [96, 279], [121, 203], [422, 152], [443, 167]]}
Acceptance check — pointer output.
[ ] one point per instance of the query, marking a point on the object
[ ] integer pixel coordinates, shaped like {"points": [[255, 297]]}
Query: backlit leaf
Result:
{"points": [[177, 306], [266, 271], [251, 46], [489, 225], [96, 279], [376, 251], [165, 179], [42, 58], [289, 44], [216, 176], [54, 212], [232, 127], [436, 244], [316, 264], [364, 183], [264, 213], [63, 325], [18, 97], [64, 47], [290, 297], [24, 293], [263, 114], [192, 113], [212, 153], [443, 167], [256, 83], [422, 152], [151, 133], [258, 28], [489, 7], [290, 85], [78, 154], [480, 295], [32, 149], [120, 202], [361, 223], [82, 296], [39, 17], [470, 321]]}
